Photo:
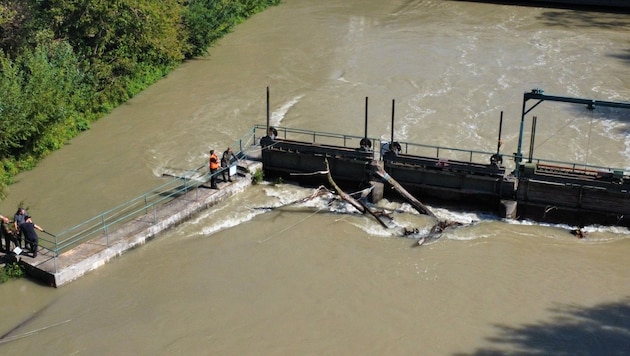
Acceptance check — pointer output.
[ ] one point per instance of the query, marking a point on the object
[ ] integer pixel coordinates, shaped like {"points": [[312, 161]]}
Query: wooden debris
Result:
{"points": [[579, 233], [360, 206], [321, 190], [437, 229], [421, 208], [435, 232]]}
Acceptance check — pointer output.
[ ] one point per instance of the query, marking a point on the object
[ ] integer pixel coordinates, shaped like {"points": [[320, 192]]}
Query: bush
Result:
{"points": [[63, 66], [258, 176], [11, 270]]}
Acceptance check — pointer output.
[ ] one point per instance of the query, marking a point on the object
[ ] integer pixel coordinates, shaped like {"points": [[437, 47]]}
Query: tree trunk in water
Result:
{"points": [[358, 205], [421, 208]]}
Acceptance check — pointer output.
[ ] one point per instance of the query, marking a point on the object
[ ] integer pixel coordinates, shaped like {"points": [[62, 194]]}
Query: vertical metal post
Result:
{"points": [[56, 254], [531, 141], [366, 118], [105, 230], [268, 117], [518, 157], [393, 105], [500, 128]]}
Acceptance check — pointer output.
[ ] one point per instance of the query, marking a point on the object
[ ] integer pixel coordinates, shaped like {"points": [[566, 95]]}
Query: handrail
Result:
{"points": [[579, 167], [100, 224]]}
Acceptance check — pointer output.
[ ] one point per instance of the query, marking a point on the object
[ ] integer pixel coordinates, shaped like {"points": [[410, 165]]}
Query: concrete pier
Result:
{"points": [[90, 255]]}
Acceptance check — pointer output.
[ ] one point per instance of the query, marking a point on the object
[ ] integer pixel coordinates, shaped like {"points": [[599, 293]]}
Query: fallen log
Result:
{"points": [[437, 229], [421, 208], [355, 203], [375, 215]]}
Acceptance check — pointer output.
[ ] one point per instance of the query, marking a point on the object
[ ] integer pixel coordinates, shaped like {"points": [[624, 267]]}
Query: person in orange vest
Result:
{"points": [[214, 167]]}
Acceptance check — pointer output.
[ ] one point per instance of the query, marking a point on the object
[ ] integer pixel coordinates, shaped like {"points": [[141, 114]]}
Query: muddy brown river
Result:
{"points": [[237, 280]]}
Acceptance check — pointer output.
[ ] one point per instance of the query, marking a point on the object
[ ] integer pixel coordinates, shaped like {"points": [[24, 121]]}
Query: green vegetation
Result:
{"points": [[66, 63], [257, 176], [11, 270]]}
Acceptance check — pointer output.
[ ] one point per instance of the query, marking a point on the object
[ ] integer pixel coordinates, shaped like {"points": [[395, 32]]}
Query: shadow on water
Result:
{"points": [[602, 113], [590, 18], [588, 9], [576, 19], [598, 113], [601, 330], [622, 55]]}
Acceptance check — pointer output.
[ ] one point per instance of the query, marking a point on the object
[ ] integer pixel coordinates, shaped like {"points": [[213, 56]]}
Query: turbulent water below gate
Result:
{"points": [[313, 279]]}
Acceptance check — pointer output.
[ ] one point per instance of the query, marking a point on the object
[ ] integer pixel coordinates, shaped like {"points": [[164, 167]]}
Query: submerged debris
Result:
{"points": [[379, 215], [579, 233]]}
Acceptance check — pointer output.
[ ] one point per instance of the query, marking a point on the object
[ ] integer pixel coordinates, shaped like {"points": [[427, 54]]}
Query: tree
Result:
{"points": [[15, 25], [118, 40]]}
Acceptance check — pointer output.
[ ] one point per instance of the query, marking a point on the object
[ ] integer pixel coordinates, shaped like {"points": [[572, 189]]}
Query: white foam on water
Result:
{"points": [[594, 233], [223, 217], [403, 216], [278, 115], [626, 151]]}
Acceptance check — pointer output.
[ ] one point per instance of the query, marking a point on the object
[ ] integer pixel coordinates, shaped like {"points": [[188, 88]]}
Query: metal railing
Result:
{"points": [[149, 202], [443, 152], [315, 136], [580, 167], [353, 141], [100, 225]]}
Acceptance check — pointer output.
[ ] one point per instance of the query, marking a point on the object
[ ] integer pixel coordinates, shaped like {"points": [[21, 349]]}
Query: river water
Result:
{"points": [[312, 280]]}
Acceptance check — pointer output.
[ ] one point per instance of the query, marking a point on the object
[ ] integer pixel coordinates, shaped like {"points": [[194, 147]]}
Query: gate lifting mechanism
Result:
{"points": [[538, 94]]}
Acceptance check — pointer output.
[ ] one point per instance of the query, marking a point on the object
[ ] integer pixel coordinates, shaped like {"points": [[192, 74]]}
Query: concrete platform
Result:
{"points": [[90, 255]]}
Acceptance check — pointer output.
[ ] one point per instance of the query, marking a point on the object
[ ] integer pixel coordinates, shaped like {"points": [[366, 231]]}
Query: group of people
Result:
{"points": [[226, 160], [21, 233]]}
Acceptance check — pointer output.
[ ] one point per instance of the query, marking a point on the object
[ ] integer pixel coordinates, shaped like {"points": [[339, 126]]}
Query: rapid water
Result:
{"points": [[315, 278]]}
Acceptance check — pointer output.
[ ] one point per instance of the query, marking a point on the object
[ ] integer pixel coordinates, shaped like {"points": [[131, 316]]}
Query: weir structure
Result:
{"points": [[569, 192], [540, 190]]}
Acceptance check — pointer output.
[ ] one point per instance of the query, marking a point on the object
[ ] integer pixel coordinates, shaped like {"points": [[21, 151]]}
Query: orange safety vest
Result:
{"points": [[214, 161]]}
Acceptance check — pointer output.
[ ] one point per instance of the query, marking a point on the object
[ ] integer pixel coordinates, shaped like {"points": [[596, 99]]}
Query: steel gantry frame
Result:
{"points": [[538, 94]]}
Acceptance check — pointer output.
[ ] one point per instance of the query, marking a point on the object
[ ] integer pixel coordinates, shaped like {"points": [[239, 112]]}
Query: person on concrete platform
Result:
{"points": [[214, 167], [31, 240], [6, 233], [226, 160], [18, 219]]}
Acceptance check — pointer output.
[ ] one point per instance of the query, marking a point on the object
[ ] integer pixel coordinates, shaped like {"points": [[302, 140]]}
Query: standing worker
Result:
{"points": [[226, 159], [6, 233], [18, 219], [214, 167], [31, 240]]}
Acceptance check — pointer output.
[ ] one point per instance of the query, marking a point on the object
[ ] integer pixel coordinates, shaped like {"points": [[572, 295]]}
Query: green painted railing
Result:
{"points": [[100, 225]]}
